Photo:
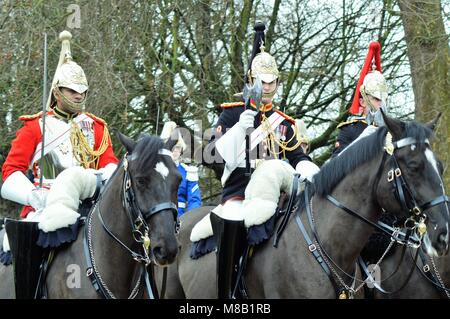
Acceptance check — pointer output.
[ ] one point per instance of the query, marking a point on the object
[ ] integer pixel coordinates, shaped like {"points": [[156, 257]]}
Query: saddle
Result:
{"points": [[32, 251]]}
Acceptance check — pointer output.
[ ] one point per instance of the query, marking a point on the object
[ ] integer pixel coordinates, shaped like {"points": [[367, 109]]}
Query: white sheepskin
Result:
{"points": [[203, 228], [263, 191], [268, 180], [70, 186]]}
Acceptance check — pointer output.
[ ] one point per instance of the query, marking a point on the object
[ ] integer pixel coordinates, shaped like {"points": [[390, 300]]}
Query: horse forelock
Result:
{"points": [[146, 152], [418, 131]]}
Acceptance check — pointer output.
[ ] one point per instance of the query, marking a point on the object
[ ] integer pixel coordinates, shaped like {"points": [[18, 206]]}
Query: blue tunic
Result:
{"points": [[189, 196]]}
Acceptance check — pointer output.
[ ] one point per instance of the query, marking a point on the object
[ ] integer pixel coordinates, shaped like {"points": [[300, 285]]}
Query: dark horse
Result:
{"points": [[116, 228], [358, 179]]}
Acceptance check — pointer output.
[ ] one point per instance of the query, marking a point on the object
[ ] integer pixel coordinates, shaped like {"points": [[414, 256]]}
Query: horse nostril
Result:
{"points": [[160, 253]]}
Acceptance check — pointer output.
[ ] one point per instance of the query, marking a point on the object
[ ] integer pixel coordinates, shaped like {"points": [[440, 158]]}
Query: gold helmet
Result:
{"points": [[69, 75], [375, 84], [265, 67]]}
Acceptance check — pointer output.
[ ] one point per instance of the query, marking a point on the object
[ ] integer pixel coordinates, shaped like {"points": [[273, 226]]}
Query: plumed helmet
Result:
{"points": [[371, 80], [68, 74], [261, 63]]}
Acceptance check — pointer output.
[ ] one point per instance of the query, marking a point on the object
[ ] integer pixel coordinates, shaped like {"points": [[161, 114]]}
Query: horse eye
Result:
{"points": [[141, 181], [413, 165]]}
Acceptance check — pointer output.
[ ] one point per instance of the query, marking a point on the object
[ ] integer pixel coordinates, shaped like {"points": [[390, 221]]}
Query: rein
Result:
{"points": [[416, 221], [141, 234]]}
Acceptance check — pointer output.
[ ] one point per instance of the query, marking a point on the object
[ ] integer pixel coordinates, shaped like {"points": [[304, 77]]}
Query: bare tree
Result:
{"points": [[151, 61], [429, 58]]}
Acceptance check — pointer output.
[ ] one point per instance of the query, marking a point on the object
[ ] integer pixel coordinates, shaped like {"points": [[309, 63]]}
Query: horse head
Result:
{"points": [[411, 184], [151, 186]]}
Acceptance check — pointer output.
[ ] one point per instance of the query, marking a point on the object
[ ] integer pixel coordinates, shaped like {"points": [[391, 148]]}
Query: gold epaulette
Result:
{"points": [[232, 104], [96, 118], [30, 117], [350, 122], [287, 117]]}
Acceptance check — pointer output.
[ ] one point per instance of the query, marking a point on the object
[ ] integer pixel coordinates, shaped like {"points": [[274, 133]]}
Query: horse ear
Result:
{"points": [[396, 127], [126, 141], [433, 123]]}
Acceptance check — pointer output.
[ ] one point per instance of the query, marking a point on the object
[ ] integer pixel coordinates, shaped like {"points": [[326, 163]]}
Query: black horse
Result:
{"points": [[131, 226], [358, 182]]}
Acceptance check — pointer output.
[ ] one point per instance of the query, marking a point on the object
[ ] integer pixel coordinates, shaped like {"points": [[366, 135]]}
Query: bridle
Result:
{"points": [[414, 224], [403, 194], [141, 235]]}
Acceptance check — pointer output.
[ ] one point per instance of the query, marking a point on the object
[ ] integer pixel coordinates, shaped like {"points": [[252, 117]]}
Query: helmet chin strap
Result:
{"points": [[374, 116], [67, 105]]}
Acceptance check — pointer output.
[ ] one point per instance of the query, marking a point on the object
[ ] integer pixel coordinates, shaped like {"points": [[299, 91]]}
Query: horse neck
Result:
{"points": [[343, 236], [114, 262]]}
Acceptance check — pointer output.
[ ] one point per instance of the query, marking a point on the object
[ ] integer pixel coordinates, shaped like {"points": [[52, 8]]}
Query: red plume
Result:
{"points": [[374, 52]]}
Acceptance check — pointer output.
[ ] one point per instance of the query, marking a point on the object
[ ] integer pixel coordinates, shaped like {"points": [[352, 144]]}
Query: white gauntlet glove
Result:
{"points": [[307, 170], [247, 119]]}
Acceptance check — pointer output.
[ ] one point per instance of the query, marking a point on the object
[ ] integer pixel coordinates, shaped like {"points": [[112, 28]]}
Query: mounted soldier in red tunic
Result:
{"points": [[72, 138]]}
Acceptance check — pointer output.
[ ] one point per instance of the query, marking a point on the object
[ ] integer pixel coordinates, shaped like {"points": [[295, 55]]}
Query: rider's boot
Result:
{"points": [[27, 256], [231, 239]]}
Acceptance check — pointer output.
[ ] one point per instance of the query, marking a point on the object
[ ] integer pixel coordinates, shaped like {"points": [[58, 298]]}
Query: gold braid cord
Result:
{"points": [[82, 151], [272, 141]]}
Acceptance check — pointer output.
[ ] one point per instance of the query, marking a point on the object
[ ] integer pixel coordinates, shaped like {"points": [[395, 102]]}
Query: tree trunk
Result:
{"points": [[429, 57]]}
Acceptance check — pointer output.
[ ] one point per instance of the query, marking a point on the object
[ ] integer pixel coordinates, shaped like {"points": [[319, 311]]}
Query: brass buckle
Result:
{"points": [[416, 210], [390, 176]]}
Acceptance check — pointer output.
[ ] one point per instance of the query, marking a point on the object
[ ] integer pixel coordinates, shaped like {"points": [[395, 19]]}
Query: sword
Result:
{"points": [[251, 93], [44, 108]]}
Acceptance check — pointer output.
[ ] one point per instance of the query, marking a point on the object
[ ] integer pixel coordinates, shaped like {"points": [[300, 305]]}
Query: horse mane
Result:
{"points": [[361, 152], [146, 151]]}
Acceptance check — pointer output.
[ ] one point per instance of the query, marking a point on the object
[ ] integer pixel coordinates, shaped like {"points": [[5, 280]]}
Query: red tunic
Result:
{"points": [[29, 136]]}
